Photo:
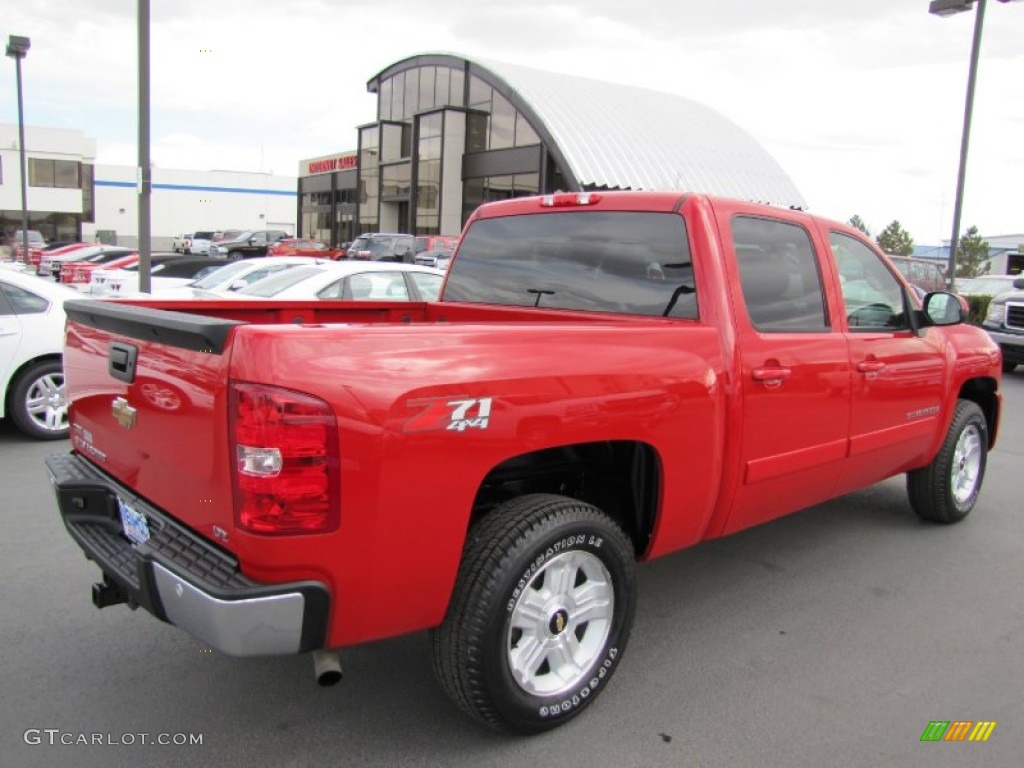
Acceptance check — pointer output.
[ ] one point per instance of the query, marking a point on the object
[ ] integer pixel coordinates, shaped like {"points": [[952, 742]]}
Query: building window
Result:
{"points": [[395, 180], [412, 94], [503, 123], [427, 77], [88, 194], [525, 135], [442, 91], [397, 96], [384, 100], [64, 174]]}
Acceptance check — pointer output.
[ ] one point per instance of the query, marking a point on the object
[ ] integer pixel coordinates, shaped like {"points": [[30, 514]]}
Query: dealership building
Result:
{"points": [[450, 133], [453, 132]]}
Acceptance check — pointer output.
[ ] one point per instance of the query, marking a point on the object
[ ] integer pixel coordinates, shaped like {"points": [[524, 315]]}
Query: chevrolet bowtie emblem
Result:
{"points": [[124, 414]]}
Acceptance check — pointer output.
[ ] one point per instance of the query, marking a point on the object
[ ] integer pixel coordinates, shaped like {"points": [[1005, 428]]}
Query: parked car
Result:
{"points": [[182, 243], [166, 271], [234, 276], [300, 246], [50, 265], [383, 246], [253, 242], [1005, 324], [200, 242], [439, 259], [36, 243], [986, 285], [350, 281], [925, 273], [435, 243], [31, 351], [79, 273]]}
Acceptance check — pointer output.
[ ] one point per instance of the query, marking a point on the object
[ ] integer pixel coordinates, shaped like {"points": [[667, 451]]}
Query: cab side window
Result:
{"points": [[779, 276], [873, 296]]}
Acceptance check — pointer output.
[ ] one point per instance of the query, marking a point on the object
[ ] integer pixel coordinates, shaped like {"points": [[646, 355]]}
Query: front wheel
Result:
{"points": [[39, 403], [540, 615], [1008, 367], [235, 255], [946, 490]]}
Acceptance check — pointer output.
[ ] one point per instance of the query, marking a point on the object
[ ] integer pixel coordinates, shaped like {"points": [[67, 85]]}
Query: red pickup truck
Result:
{"points": [[607, 378]]}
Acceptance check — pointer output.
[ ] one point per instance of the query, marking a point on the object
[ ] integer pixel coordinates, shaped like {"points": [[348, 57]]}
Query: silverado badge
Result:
{"points": [[124, 414]]}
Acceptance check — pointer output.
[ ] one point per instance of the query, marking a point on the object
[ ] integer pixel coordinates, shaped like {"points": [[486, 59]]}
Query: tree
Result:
{"points": [[858, 223], [895, 240], [972, 255]]}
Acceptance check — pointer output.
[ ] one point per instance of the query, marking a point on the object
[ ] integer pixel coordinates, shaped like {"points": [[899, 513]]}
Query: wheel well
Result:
{"points": [[620, 477], [20, 370], [983, 393]]}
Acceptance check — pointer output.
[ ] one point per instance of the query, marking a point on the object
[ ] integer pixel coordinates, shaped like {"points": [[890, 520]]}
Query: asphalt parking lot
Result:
{"points": [[829, 638]]}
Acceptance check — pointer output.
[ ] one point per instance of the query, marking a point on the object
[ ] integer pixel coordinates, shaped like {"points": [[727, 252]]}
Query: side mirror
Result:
{"points": [[1019, 283], [942, 308], [237, 285]]}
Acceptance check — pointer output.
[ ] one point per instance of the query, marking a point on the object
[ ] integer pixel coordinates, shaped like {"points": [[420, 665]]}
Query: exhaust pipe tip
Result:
{"points": [[327, 668]]}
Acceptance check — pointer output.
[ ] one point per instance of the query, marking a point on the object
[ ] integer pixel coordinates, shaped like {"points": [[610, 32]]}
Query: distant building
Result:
{"points": [[72, 198], [452, 133]]}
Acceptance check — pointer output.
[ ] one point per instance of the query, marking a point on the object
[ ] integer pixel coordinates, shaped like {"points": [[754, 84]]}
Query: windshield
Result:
{"points": [[218, 276], [273, 285], [629, 262]]}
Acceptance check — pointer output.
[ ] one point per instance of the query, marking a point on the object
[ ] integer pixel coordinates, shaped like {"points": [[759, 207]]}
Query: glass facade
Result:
{"points": [[446, 140]]}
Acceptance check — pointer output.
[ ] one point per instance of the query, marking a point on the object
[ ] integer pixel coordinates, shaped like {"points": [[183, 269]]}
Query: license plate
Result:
{"points": [[134, 523]]}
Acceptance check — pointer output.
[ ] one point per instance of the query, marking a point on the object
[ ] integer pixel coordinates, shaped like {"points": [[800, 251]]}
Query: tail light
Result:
{"points": [[569, 199], [286, 469]]}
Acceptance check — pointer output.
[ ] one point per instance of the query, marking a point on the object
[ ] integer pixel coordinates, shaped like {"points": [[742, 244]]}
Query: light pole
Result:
{"points": [[17, 49], [950, 8]]}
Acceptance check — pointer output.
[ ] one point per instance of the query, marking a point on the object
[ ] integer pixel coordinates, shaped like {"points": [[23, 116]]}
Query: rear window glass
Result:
{"points": [[623, 261]]}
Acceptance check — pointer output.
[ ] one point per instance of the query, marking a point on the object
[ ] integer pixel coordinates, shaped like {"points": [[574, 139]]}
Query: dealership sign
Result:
{"points": [[331, 164]]}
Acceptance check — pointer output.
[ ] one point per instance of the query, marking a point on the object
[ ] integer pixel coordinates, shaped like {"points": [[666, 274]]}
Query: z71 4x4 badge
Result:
{"points": [[457, 414]]}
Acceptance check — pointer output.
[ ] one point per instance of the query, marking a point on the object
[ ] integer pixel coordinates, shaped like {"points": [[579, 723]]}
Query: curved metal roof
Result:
{"points": [[619, 136]]}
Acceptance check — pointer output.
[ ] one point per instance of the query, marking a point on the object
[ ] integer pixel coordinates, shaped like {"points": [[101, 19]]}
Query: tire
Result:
{"points": [[1008, 366], [236, 255], [946, 490], [546, 583], [38, 401]]}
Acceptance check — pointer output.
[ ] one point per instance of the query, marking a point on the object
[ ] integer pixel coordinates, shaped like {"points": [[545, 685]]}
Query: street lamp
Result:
{"points": [[950, 8], [17, 49]]}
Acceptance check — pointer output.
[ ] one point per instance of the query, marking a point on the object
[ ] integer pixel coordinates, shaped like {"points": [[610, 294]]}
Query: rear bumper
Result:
{"points": [[181, 578]]}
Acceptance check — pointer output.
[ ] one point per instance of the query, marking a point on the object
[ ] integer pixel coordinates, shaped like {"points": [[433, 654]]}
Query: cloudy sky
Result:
{"points": [[861, 101]]}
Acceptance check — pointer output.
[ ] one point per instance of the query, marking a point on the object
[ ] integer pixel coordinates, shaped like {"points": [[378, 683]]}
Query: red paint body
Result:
{"points": [[731, 451]]}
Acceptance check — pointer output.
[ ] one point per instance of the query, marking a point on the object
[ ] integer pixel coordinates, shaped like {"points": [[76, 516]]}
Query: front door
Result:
{"points": [[898, 375]]}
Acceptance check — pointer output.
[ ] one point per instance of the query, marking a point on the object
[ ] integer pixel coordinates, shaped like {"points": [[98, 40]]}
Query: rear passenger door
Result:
{"points": [[794, 375]]}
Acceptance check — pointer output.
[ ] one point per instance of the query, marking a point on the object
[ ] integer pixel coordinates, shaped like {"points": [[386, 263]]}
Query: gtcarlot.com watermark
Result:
{"points": [[55, 736]]}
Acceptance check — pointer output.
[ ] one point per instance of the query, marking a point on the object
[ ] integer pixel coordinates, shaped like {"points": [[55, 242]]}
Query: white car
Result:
{"points": [[31, 349], [200, 242], [350, 281], [231, 277]]}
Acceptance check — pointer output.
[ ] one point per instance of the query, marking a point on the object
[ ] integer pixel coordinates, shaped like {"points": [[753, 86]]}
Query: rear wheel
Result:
{"points": [[946, 490], [540, 615], [39, 403]]}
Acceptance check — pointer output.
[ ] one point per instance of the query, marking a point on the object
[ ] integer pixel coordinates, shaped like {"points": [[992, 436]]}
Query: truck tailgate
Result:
{"points": [[147, 392]]}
